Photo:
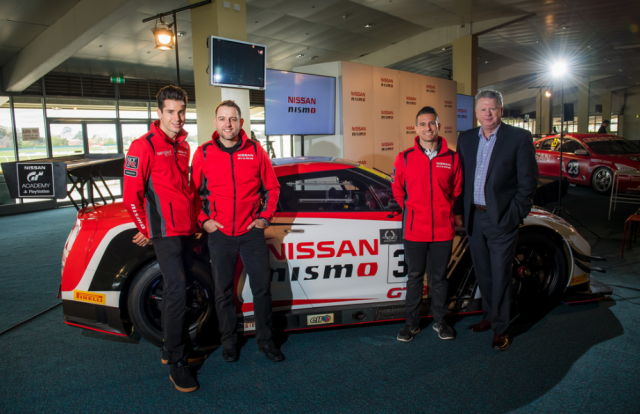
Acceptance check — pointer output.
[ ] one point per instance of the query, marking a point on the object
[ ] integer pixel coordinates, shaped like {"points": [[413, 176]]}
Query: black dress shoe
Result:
{"points": [[482, 326], [230, 353], [272, 353], [500, 342]]}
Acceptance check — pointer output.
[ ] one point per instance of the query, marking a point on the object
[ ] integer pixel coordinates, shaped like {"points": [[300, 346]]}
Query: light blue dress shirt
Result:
{"points": [[485, 148]]}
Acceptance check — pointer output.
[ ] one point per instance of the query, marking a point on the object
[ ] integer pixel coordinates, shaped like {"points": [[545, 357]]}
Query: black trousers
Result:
{"points": [[492, 253], [415, 254], [254, 253], [175, 257]]}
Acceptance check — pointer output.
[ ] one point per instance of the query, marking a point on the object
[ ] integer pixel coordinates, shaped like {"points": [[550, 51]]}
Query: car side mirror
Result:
{"points": [[393, 205], [581, 152]]}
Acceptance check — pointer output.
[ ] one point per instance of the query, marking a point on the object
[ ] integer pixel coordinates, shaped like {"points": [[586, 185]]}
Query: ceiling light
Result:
{"points": [[300, 55], [314, 57], [621, 47], [547, 94], [182, 34], [346, 16], [486, 61], [163, 36], [559, 69], [370, 25]]}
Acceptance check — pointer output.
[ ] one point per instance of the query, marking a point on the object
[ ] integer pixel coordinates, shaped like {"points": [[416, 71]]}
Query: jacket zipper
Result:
{"points": [[191, 207], [233, 178], [172, 222], [433, 237], [411, 228]]}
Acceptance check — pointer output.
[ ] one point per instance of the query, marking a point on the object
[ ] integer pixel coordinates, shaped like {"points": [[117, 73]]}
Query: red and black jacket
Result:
{"points": [[157, 192], [231, 184], [426, 190]]}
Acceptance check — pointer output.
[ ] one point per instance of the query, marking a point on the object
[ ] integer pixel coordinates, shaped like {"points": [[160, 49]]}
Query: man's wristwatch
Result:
{"points": [[265, 221]]}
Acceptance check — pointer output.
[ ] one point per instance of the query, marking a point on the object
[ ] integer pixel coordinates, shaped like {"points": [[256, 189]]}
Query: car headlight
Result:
{"points": [[623, 167]]}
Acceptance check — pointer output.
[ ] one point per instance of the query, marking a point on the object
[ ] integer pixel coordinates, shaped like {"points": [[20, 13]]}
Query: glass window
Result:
{"points": [[102, 138], [66, 139], [550, 144], [192, 138], [571, 145], [613, 128], [133, 110], [131, 132], [614, 147], [80, 108], [191, 111], [6, 135], [30, 128], [328, 191]]}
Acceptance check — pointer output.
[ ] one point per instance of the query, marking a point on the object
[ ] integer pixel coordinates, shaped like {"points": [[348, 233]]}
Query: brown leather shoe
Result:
{"points": [[500, 342], [482, 326]]}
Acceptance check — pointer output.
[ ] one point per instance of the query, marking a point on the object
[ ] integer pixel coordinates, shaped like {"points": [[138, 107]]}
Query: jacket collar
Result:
{"points": [[242, 134], [156, 130], [441, 148]]}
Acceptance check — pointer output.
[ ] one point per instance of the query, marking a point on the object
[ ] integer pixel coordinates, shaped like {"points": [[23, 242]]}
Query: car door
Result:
{"points": [[547, 156], [575, 166], [335, 233]]}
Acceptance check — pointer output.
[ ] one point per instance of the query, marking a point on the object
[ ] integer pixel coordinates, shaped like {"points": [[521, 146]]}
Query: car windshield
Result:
{"points": [[614, 147]]}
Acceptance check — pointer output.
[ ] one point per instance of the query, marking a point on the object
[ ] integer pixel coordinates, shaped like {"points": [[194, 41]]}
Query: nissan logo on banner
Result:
{"points": [[35, 180]]}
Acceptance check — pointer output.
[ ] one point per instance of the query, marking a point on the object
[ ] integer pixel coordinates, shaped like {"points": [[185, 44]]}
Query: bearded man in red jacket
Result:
{"points": [[232, 173], [426, 181], [161, 202]]}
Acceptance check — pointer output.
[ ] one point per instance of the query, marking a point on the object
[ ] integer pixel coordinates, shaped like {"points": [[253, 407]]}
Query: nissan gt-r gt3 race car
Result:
{"points": [[336, 259], [591, 159]]}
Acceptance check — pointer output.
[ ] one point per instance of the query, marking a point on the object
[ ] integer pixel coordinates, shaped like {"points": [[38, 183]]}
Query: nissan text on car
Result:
{"points": [[336, 259]]}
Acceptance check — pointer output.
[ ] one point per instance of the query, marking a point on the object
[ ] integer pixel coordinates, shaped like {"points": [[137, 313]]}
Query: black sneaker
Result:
{"points": [[194, 356], [182, 378], [444, 330], [272, 353], [407, 332], [230, 353]]}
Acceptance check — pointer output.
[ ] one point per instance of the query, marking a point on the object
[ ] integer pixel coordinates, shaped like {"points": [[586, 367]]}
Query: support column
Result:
{"points": [[583, 106], [216, 20], [465, 66], [606, 106], [544, 119]]}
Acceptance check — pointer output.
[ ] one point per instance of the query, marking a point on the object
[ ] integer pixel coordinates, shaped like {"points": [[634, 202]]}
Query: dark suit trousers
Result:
{"points": [[492, 253], [415, 254], [252, 249]]}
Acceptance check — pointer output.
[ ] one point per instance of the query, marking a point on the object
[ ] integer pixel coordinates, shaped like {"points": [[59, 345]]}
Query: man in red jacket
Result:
{"points": [[161, 202], [231, 173], [426, 181]]}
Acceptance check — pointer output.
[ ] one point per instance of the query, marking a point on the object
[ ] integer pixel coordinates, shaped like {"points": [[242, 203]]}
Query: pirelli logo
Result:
{"points": [[95, 298], [576, 280]]}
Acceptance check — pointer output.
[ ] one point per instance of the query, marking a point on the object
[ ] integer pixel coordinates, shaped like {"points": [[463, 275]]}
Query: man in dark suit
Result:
{"points": [[500, 176]]}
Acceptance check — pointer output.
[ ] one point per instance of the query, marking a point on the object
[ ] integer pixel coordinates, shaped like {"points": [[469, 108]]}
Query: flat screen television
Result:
{"points": [[299, 104], [465, 112], [236, 64]]}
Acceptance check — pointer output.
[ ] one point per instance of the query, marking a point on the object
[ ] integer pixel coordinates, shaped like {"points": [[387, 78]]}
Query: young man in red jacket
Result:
{"points": [[161, 202], [426, 181], [231, 173]]}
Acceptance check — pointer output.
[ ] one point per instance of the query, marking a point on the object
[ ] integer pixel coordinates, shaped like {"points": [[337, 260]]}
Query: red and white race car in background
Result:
{"points": [[336, 259], [590, 159]]}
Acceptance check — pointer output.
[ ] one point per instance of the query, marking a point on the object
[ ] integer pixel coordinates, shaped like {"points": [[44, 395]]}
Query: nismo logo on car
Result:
{"points": [[322, 250], [301, 101]]}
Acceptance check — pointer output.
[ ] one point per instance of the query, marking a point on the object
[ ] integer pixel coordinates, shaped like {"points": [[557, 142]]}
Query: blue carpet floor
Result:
{"points": [[575, 359]]}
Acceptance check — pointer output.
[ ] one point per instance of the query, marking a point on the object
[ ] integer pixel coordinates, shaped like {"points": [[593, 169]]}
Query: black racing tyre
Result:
{"points": [[539, 273], [145, 300], [602, 180]]}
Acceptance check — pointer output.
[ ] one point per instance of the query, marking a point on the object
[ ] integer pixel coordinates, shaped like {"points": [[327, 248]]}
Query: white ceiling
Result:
{"points": [[327, 30]]}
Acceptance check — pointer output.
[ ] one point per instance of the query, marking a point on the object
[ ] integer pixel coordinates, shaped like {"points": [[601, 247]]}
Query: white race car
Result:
{"points": [[336, 259]]}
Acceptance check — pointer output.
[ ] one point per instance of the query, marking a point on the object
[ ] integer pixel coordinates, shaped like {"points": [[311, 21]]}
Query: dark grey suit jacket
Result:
{"points": [[512, 176]]}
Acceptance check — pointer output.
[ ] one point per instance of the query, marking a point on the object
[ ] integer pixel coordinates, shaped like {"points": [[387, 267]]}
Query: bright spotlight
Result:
{"points": [[547, 94], [559, 69]]}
